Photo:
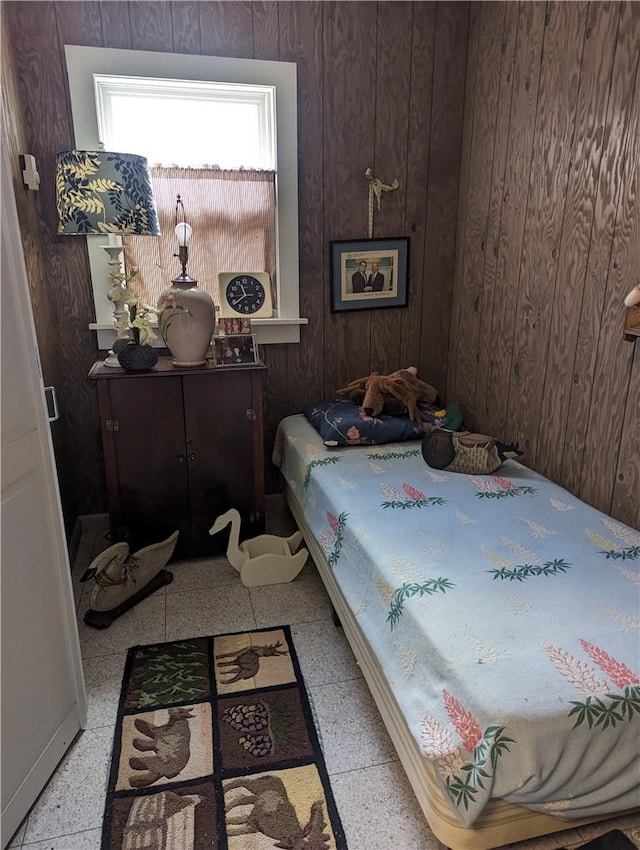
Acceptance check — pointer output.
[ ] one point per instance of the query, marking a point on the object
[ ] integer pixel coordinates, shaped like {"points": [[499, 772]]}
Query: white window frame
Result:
{"points": [[85, 62]]}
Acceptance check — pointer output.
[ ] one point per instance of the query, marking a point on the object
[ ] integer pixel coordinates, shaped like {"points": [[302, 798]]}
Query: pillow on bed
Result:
{"points": [[342, 423]]}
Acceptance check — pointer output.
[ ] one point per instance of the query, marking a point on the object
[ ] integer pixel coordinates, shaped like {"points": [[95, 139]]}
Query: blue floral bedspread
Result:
{"points": [[504, 613]]}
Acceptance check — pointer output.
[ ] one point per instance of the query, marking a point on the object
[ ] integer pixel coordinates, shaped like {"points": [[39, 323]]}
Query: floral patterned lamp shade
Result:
{"points": [[101, 192], [104, 192]]}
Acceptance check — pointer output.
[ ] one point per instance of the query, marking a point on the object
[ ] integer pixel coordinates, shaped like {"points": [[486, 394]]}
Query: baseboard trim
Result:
{"points": [[74, 541], [94, 522], [85, 522]]}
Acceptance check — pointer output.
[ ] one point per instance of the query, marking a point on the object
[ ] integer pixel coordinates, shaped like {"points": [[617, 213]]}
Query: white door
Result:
{"points": [[43, 700]]}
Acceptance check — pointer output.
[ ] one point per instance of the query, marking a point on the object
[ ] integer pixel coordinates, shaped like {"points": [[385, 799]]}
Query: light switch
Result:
{"points": [[30, 176]]}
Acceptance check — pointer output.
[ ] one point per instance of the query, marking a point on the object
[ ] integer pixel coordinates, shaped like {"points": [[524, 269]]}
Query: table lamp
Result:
{"points": [[110, 194]]}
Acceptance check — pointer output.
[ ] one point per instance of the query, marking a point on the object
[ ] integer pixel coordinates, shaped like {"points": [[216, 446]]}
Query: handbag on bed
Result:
{"points": [[462, 451]]}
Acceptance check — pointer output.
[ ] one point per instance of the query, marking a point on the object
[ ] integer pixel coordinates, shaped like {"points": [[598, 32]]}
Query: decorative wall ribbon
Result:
{"points": [[376, 188]]}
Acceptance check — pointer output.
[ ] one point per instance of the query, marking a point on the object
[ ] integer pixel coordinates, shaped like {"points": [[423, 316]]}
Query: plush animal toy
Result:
{"points": [[461, 451], [393, 394]]}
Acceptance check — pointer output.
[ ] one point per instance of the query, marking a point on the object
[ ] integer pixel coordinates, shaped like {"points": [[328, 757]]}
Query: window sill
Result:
{"points": [[266, 332]]}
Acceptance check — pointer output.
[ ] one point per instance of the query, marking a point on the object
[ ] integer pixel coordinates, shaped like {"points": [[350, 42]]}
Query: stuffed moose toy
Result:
{"points": [[393, 394]]}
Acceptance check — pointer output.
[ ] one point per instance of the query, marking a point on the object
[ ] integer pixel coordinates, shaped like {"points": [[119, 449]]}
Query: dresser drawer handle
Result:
{"points": [[192, 456], [180, 458]]}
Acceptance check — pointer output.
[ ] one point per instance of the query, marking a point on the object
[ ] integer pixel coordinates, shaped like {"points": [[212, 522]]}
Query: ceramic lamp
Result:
{"points": [[186, 314]]}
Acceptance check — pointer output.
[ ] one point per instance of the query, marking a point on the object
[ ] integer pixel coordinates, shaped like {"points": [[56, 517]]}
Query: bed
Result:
{"points": [[495, 619]]}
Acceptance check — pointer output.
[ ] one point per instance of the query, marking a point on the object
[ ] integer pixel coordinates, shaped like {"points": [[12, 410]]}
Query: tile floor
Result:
{"points": [[375, 801]]}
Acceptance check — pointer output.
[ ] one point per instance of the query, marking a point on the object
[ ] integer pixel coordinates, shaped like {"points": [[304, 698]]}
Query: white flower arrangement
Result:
{"points": [[134, 315]]}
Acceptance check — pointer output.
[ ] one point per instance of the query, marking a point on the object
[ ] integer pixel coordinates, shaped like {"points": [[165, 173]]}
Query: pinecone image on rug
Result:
{"points": [[251, 719], [263, 725]]}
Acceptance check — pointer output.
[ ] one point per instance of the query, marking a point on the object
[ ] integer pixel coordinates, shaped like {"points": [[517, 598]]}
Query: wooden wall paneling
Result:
{"points": [[522, 122], [625, 504], [68, 270], [151, 25], [301, 42], [227, 28], [557, 98], [76, 354], [14, 138], [80, 23], [494, 216], [43, 87], [266, 30], [185, 23], [77, 23], [116, 24], [445, 141], [470, 279], [615, 354], [349, 106], [609, 188], [417, 175], [586, 154], [393, 84], [463, 203]]}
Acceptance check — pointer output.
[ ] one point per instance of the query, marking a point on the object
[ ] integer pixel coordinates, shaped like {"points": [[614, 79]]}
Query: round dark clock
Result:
{"points": [[245, 294]]}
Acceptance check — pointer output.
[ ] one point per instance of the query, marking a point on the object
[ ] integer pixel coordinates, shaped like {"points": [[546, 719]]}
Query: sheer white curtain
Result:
{"points": [[233, 215]]}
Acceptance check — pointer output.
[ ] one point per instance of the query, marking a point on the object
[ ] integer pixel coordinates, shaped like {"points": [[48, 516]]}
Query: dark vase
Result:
{"points": [[137, 358]]}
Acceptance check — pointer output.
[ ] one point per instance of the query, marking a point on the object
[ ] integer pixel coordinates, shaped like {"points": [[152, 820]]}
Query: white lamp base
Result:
{"points": [[112, 361]]}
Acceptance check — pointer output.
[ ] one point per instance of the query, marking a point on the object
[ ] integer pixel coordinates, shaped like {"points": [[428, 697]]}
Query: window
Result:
{"points": [[227, 113], [231, 206]]}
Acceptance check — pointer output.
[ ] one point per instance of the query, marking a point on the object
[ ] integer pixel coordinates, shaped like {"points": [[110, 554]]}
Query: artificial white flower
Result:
{"points": [[122, 322], [147, 335], [118, 294], [137, 316]]}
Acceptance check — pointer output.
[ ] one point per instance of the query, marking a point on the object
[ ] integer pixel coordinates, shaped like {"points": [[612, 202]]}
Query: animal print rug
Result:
{"points": [[215, 747]]}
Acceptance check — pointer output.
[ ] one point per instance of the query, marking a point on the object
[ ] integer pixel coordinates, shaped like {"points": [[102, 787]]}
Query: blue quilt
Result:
{"points": [[504, 613]]}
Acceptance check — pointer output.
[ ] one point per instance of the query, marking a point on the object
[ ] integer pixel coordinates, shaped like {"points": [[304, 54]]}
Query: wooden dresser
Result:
{"points": [[181, 446]]}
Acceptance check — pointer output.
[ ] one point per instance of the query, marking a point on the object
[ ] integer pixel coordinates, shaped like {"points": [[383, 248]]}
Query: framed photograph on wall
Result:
{"points": [[235, 350], [369, 273]]}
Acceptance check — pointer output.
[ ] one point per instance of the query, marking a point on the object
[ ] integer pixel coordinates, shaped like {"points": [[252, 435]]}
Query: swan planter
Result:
{"points": [[267, 559]]}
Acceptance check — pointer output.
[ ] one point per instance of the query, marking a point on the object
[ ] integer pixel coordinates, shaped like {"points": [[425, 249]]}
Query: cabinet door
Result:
{"points": [[151, 459], [221, 421]]}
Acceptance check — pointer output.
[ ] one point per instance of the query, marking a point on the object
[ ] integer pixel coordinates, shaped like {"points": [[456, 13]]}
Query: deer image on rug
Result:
{"points": [[247, 662], [169, 744], [273, 815]]}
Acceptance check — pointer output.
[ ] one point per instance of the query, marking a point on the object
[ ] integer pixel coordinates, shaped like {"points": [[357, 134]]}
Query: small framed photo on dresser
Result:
{"points": [[235, 350], [238, 325]]}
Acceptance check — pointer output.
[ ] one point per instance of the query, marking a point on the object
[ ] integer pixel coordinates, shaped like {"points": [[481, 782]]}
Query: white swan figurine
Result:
{"points": [[266, 559]]}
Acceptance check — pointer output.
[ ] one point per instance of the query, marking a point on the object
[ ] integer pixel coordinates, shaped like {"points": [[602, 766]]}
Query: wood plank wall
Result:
{"points": [[380, 85], [548, 242], [13, 140]]}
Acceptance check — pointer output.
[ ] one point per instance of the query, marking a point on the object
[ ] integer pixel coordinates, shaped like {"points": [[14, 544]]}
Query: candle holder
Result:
{"points": [[186, 314]]}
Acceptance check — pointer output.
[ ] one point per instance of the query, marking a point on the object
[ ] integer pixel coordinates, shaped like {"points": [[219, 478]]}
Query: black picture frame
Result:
{"points": [[385, 281]]}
